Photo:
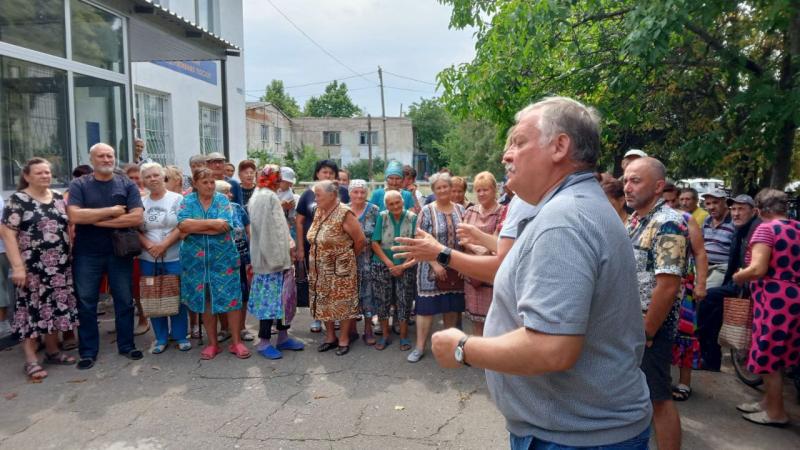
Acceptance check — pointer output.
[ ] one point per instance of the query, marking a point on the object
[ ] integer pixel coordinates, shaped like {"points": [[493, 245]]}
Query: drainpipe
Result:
{"points": [[225, 131]]}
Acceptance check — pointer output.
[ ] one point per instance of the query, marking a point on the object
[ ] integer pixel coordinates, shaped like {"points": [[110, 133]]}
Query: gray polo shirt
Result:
{"points": [[572, 272]]}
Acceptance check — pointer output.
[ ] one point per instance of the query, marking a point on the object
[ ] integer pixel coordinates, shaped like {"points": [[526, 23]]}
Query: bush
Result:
{"points": [[360, 168]]}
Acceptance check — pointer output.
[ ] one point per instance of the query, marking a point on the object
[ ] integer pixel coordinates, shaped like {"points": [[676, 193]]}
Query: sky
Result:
{"points": [[409, 38]]}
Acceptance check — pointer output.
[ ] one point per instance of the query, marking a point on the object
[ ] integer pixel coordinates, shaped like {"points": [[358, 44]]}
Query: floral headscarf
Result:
{"points": [[269, 177]]}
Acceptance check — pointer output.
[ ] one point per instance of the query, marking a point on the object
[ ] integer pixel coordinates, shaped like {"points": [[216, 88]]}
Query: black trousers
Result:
{"points": [[265, 328], [709, 322]]}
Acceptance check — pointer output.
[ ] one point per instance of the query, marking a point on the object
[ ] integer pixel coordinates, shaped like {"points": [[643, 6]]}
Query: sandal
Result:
{"points": [[382, 343], [405, 345], [240, 350], [158, 349], [35, 372], [68, 345], [761, 418], [59, 359], [210, 352], [368, 340], [681, 393], [326, 346], [342, 350]]}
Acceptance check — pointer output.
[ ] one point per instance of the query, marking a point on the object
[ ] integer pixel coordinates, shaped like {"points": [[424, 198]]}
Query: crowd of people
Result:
{"points": [[587, 286]]}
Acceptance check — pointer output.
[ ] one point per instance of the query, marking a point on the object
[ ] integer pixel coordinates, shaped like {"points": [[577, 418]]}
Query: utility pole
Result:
{"points": [[369, 145], [401, 110], [383, 115]]}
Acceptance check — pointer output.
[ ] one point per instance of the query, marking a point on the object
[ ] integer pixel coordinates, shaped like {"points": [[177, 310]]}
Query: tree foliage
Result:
{"points": [[335, 102], [431, 123], [471, 146], [275, 94], [710, 87]]}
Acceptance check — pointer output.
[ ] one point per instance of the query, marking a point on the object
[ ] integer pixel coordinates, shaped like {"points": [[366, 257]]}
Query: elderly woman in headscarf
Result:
{"points": [[366, 213], [270, 255], [394, 182]]}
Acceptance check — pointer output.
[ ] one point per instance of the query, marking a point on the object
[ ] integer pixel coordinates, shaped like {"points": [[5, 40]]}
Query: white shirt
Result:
{"points": [[518, 209], [160, 218]]}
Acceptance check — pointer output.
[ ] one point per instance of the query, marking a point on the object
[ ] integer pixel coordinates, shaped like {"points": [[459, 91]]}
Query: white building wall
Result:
{"points": [[187, 93]]}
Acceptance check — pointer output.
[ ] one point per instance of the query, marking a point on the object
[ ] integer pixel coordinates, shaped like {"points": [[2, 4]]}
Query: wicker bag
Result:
{"points": [[737, 323], [160, 294]]}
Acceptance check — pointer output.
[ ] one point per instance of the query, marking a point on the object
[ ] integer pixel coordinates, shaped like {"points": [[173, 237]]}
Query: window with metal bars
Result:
{"points": [[210, 129], [154, 126]]}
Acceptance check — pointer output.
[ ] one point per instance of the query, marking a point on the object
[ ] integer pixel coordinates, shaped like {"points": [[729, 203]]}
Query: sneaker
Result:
{"points": [[271, 352], [291, 344], [246, 335], [415, 355]]}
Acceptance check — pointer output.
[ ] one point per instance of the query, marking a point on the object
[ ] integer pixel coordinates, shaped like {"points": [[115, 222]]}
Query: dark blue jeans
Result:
{"points": [[87, 272], [639, 442]]}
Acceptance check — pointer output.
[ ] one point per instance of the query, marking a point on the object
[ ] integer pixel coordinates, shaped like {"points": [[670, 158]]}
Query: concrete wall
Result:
{"points": [[187, 93], [400, 137]]}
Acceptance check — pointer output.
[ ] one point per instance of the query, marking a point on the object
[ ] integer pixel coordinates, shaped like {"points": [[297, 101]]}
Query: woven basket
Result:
{"points": [[160, 295], [737, 323]]}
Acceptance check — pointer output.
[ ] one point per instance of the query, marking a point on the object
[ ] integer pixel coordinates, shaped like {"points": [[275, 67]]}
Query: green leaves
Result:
{"points": [[335, 102], [276, 95]]}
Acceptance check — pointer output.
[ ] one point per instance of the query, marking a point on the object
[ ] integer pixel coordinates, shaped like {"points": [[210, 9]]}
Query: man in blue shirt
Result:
{"points": [[216, 162], [100, 203]]}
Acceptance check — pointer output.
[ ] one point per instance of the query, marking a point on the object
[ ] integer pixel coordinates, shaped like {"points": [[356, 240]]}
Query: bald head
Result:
{"points": [[645, 179], [654, 166]]}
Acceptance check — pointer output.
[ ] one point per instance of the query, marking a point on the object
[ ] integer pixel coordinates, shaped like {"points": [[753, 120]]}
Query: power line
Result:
{"points": [[407, 89], [324, 50], [316, 82], [409, 78]]}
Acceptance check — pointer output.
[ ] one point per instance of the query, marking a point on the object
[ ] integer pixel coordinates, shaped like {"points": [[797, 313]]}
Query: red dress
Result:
{"points": [[775, 343]]}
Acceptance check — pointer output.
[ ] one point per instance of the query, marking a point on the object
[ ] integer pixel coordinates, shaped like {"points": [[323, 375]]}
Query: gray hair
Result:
{"points": [[222, 186], [772, 202], [440, 176], [390, 194], [198, 159], [328, 186], [150, 166], [571, 117]]}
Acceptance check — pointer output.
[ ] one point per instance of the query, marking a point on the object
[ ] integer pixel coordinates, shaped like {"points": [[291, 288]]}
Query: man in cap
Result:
{"points": [[718, 231], [216, 162], [631, 155], [709, 312], [394, 182]]}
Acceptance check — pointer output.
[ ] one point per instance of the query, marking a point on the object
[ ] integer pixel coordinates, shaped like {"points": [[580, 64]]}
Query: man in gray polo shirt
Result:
{"points": [[564, 336]]}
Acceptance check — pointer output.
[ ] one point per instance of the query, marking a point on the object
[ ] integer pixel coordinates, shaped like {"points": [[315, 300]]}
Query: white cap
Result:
{"points": [[287, 174], [635, 152]]}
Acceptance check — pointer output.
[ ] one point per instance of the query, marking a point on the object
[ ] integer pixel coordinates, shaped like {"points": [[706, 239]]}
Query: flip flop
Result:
{"points": [[681, 393], [240, 350], [59, 359]]}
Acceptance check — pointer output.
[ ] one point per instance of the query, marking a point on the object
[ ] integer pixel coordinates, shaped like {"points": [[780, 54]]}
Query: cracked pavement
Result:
{"points": [[306, 400]]}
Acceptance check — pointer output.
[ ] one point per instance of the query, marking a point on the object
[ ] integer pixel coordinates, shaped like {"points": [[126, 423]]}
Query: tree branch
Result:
{"points": [[714, 43]]}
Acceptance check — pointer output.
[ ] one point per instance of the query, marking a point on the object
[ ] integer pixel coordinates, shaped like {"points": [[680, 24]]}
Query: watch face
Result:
{"points": [[459, 354]]}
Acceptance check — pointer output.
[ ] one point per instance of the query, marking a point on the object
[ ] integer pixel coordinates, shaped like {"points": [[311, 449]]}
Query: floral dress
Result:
{"points": [[46, 304], [332, 272], [209, 261], [366, 296], [431, 300]]}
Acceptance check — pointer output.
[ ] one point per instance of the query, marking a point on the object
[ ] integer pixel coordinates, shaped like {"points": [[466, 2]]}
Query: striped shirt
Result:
{"points": [[718, 239]]}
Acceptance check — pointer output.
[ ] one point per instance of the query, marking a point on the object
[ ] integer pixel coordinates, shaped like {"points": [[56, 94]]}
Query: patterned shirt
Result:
{"points": [[660, 241], [718, 239]]}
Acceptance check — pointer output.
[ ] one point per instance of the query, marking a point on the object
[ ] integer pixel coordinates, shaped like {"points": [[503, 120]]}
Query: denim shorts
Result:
{"points": [[639, 442]]}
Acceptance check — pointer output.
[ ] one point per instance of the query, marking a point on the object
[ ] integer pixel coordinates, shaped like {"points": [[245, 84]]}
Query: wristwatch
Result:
{"points": [[444, 257], [459, 355]]}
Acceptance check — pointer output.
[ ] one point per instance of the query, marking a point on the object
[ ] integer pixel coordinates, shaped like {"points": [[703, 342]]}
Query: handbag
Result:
{"points": [[452, 280], [737, 323], [301, 283], [160, 293], [125, 242]]}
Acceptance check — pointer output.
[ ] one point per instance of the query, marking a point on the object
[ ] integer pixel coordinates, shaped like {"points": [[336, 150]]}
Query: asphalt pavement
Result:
{"points": [[308, 400]]}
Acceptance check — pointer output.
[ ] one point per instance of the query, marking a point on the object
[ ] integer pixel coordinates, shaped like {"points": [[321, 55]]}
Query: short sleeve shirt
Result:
{"points": [[160, 219], [378, 197], [518, 210], [717, 240], [88, 192], [660, 245]]}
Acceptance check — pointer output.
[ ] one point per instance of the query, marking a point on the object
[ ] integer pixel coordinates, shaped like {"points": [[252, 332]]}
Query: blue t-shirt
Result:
{"points": [[379, 194], [88, 192]]}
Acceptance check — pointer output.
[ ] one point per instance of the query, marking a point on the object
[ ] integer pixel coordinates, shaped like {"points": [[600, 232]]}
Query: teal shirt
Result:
{"points": [[387, 229], [378, 194]]}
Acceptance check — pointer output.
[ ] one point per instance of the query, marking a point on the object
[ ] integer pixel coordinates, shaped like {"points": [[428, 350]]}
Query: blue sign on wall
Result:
{"points": [[202, 70]]}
